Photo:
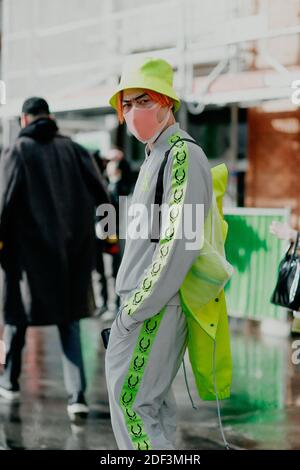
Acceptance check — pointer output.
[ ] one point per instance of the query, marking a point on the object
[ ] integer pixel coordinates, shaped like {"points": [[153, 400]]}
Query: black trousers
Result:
{"points": [[74, 376]]}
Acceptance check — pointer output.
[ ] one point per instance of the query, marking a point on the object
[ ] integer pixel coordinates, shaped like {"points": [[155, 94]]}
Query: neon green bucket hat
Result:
{"points": [[151, 74]]}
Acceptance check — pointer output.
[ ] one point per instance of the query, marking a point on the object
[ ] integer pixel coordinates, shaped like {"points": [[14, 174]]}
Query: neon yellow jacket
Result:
{"points": [[203, 301], [198, 276]]}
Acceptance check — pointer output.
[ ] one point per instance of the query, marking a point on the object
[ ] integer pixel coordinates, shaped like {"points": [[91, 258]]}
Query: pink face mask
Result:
{"points": [[143, 123]]}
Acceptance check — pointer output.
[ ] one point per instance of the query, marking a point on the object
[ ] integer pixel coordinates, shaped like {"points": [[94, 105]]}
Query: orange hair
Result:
{"points": [[163, 100]]}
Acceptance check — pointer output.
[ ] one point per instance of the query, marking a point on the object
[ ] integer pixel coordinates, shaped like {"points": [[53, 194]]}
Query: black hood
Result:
{"points": [[42, 129]]}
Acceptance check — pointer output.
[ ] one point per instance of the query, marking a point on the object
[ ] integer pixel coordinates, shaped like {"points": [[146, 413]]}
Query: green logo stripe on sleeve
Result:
{"points": [[179, 183]]}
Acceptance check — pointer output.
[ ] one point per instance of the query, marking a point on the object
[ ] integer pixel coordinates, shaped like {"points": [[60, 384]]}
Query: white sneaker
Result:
{"points": [[77, 408], [10, 395], [108, 316], [100, 311]]}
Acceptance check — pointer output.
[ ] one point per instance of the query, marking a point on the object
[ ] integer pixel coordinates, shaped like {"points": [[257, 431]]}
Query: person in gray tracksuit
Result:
{"points": [[149, 335]]}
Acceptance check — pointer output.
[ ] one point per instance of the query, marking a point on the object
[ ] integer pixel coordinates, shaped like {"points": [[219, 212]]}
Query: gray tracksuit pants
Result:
{"points": [[142, 361], [148, 337]]}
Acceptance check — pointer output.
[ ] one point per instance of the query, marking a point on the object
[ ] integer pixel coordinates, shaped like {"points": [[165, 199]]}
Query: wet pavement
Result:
{"points": [[263, 412]]}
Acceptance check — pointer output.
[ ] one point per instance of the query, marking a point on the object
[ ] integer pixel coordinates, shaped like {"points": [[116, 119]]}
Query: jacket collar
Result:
{"points": [[161, 144]]}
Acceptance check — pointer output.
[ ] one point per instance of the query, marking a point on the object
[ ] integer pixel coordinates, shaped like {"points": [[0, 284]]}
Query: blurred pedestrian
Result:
{"points": [[119, 176], [49, 188], [100, 246], [283, 231]]}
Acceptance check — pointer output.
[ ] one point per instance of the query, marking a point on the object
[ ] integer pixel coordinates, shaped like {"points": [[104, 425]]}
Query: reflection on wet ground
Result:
{"points": [[263, 412]]}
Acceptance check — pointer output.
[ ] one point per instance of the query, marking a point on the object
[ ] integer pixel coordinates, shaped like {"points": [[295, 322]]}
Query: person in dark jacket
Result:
{"points": [[119, 176], [49, 188]]}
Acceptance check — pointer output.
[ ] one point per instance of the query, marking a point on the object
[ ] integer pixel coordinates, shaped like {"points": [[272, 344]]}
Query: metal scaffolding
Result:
{"points": [[74, 56]]}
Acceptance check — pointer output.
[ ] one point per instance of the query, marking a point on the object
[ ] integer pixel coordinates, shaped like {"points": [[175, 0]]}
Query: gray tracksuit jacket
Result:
{"points": [[140, 253]]}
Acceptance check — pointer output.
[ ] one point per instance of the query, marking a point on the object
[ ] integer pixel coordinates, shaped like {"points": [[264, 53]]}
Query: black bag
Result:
{"points": [[287, 290], [105, 336]]}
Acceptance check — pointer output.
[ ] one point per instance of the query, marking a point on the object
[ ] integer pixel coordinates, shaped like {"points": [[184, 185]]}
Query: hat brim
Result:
{"points": [[154, 84]]}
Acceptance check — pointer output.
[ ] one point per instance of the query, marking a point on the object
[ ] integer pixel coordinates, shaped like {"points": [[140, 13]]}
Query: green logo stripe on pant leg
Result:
{"points": [[131, 385]]}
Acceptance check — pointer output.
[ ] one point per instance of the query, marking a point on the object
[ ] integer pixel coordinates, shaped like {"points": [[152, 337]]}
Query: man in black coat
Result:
{"points": [[49, 188]]}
